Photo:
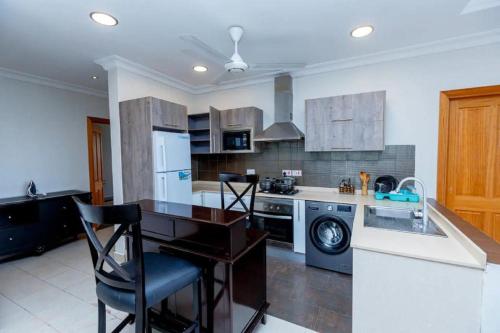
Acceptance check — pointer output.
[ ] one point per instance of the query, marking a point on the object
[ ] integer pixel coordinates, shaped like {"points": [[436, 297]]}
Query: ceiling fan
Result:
{"points": [[235, 63]]}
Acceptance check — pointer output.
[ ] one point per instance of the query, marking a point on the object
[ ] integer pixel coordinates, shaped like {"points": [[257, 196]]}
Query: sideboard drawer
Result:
{"points": [[18, 214], [19, 238]]}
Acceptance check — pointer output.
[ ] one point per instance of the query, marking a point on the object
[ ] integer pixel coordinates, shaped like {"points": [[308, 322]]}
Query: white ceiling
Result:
{"points": [[57, 39]]}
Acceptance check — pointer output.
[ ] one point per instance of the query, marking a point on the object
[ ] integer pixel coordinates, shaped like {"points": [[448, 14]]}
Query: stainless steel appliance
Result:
{"points": [[237, 140], [328, 235], [275, 215]]}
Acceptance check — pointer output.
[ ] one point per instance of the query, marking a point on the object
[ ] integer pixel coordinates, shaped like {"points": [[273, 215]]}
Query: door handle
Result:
{"points": [[234, 125], [170, 125]]}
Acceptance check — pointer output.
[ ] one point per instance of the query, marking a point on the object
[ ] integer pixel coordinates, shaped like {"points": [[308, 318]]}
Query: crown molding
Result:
{"points": [[440, 46], [115, 61], [478, 5], [25, 77]]}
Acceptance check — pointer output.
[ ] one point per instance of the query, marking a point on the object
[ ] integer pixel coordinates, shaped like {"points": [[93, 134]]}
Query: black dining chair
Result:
{"points": [[144, 280], [226, 178]]}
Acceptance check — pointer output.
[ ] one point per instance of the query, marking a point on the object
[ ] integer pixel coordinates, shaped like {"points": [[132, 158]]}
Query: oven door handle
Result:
{"points": [[278, 217]]}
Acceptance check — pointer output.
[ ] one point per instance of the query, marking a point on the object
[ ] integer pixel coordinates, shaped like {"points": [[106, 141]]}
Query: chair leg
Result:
{"points": [[101, 317], [149, 329], [140, 321], [197, 306]]}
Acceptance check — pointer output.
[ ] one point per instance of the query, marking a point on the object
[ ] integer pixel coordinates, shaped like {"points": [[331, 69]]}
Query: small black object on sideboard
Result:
{"points": [[32, 225]]}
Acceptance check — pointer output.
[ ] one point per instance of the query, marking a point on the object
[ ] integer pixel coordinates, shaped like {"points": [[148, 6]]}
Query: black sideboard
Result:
{"points": [[33, 225]]}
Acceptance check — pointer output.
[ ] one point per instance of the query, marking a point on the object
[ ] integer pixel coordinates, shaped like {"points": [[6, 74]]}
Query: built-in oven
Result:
{"points": [[236, 140], [275, 215]]}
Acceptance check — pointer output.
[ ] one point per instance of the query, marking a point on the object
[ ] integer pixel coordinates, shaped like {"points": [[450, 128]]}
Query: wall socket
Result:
{"points": [[292, 173], [250, 171]]}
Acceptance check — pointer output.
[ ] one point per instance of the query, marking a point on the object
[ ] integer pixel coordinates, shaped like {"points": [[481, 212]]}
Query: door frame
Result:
{"points": [[91, 121], [444, 116]]}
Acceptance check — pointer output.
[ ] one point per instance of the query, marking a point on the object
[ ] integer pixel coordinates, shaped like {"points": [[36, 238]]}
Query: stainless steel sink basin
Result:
{"points": [[399, 219]]}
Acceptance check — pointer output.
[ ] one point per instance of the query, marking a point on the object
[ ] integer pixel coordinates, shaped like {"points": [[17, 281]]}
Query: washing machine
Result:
{"points": [[328, 235]]}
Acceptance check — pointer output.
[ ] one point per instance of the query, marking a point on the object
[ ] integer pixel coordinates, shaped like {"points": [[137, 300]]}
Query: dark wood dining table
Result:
{"points": [[232, 257]]}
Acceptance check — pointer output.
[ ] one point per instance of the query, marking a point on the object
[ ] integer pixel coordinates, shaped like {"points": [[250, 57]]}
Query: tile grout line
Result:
{"points": [[63, 290], [29, 312]]}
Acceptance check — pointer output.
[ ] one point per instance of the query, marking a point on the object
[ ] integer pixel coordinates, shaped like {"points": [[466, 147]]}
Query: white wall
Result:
{"points": [[43, 136], [412, 86], [261, 96]]}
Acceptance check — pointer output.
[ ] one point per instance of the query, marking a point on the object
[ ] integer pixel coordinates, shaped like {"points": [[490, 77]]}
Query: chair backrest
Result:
{"points": [[226, 178], [128, 218]]}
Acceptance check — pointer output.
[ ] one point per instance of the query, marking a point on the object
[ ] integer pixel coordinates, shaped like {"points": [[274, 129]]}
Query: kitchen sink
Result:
{"points": [[399, 219]]}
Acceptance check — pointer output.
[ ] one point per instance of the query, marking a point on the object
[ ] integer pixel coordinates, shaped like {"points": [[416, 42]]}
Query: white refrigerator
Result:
{"points": [[172, 161]]}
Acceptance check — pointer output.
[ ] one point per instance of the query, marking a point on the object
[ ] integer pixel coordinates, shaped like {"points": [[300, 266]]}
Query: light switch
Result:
{"points": [[297, 173], [250, 171], [286, 172]]}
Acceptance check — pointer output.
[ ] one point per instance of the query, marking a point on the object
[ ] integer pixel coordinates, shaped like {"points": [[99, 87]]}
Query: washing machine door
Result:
{"points": [[330, 234]]}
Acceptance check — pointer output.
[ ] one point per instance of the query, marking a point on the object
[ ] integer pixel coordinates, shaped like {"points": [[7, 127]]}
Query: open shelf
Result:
{"points": [[199, 130]]}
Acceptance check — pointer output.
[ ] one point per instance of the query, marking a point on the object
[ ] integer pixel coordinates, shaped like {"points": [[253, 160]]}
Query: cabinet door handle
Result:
{"points": [[234, 125], [340, 148], [9, 217], [11, 238], [337, 120], [171, 125]]}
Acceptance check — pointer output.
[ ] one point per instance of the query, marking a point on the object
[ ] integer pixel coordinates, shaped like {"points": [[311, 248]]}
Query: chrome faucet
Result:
{"points": [[425, 217]]}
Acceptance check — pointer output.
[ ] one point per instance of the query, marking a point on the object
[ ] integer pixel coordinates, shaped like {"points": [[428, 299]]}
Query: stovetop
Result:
{"points": [[290, 192]]}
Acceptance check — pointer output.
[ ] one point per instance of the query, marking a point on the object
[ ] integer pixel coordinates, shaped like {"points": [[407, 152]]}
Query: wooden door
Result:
{"points": [[98, 189], [473, 161]]}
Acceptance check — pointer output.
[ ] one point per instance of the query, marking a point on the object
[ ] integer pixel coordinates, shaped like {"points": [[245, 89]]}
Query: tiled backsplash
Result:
{"points": [[318, 169]]}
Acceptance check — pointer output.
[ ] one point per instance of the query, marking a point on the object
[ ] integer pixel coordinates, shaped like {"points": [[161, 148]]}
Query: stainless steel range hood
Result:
{"points": [[283, 129]]}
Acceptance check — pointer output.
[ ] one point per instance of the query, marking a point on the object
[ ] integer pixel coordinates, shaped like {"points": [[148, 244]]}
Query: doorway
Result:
{"points": [[469, 156], [99, 154]]}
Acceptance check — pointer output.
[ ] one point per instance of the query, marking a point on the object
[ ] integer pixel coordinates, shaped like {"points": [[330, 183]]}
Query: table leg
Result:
{"points": [[210, 281]]}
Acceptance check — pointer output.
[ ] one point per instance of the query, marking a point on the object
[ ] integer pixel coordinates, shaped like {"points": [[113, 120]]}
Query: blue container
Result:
{"points": [[403, 195]]}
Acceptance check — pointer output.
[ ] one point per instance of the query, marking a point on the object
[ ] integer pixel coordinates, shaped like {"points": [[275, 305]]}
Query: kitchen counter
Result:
{"points": [[455, 249]]}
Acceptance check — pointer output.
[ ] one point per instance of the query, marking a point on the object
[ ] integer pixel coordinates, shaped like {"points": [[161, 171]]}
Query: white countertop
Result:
{"points": [[455, 249]]}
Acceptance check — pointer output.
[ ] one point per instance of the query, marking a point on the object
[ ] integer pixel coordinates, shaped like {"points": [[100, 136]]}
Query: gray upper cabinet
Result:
{"points": [[247, 117], [168, 115], [346, 123]]}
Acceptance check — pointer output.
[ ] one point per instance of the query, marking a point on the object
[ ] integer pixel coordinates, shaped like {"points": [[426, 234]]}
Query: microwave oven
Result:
{"points": [[237, 140]]}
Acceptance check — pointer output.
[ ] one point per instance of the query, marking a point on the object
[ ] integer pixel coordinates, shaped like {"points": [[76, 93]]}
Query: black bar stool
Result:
{"points": [[140, 283], [226, 178]]}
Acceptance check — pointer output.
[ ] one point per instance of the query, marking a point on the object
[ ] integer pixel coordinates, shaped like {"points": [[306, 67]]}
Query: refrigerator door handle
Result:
{"points": [[163, 157], [163, 188]]}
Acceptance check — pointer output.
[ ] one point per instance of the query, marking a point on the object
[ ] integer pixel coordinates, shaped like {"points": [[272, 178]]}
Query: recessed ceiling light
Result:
{"points": [[362, 31], [103, 18], [94, 77], [200, 68]]}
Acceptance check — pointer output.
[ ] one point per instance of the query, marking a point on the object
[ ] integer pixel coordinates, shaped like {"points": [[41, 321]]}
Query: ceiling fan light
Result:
{"points": [[362, 31]]}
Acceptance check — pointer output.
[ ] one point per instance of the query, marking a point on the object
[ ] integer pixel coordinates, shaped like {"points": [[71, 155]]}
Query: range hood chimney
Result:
{"points": [[283, 129]]}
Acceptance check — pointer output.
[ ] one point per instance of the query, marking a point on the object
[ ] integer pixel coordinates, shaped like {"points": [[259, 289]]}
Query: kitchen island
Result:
{"points": [[233, 261], [406, 282]]}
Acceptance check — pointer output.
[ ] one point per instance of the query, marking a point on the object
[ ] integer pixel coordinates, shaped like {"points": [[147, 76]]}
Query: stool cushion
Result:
{"points": [[164, 275]]}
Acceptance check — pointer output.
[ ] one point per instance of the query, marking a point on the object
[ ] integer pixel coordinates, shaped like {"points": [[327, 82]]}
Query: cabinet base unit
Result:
{"points": [[31, 226]]}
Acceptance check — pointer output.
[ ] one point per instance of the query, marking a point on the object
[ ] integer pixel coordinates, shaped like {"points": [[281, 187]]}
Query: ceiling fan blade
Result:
{"points": [[208, 50], [277, 66]]}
